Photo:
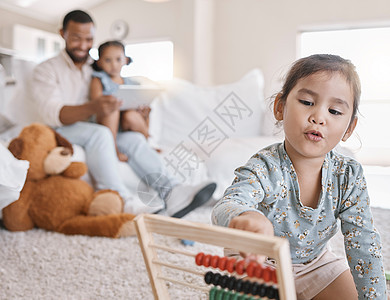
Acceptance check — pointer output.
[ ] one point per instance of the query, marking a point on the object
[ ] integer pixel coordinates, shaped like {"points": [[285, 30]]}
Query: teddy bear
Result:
{"points": [[54, 197]]}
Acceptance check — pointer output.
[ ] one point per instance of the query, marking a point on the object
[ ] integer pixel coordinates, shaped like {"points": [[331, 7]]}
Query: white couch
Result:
{"points": [[207, 132], [203, 132]]}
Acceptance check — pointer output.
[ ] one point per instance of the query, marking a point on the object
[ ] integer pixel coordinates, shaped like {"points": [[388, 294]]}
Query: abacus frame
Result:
{"points": [[243, 241]]}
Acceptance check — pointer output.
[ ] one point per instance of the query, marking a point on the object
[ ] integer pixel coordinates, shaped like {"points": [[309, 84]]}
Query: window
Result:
{"points": [[153, 60], [369, 51]]}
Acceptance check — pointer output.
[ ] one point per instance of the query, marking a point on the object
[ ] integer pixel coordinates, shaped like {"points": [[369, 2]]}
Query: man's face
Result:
{"points": [[78, 40]]}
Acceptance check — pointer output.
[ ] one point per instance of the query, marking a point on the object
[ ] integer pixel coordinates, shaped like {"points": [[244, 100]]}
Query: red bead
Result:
{"points": [[250, 269], [206, 260], [240, 267], [259, 271], [274, 277], [222, 263], [199, 258], [267, 274], [214, 261], [230, 264]]}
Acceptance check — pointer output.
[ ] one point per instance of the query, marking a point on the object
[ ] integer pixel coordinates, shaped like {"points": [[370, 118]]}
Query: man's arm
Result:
{"points": [[103, 105]]}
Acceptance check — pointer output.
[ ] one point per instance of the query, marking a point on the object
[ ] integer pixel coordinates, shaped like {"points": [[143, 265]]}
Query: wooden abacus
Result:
{"points": [[276, 248]]}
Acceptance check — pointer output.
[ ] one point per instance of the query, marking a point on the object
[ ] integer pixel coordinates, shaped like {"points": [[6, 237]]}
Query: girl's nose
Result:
{"points": [[317, 118]]}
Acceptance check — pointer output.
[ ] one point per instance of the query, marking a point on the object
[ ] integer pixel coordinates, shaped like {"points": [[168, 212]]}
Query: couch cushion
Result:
{"points": [[12, 176], [183, 110]]}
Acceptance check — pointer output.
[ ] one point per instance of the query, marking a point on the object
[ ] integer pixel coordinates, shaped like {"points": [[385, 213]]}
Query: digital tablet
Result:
{"points": [[134, 96]]}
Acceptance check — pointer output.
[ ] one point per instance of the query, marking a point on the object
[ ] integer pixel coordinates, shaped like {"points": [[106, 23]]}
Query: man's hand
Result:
{"points": [[101, 106], [106, 104]]}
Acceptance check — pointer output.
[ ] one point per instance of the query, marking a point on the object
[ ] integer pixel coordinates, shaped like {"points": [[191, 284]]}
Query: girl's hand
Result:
{"points": [[255, 222]]}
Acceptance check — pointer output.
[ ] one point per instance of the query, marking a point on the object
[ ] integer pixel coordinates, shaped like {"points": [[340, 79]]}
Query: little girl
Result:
{"points": [[106, 79], [300, 188]]}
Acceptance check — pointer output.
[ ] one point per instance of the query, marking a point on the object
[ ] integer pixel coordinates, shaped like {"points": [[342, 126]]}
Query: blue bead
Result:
{"points": [[187, 242]]}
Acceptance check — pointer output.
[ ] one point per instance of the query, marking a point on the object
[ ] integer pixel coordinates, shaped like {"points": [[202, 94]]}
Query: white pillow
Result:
{"points": [[185, 111], [12, 176]]}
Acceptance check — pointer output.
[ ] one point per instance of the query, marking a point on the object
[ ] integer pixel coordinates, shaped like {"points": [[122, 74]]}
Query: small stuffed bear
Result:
{"points": [[54, 197]]}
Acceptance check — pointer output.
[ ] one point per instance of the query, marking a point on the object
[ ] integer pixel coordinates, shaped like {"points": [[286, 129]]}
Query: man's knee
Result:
{"points": [[102, 133], [130, 139]]}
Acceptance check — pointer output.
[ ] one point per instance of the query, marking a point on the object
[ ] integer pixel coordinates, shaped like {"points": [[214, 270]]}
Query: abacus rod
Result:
{"points": [[169, 249], [177, 267], [204, 289]]}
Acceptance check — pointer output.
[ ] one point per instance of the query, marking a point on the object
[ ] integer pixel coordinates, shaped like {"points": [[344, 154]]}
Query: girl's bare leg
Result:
{"points": [[112, 122], [343, 287], [134, 120]]}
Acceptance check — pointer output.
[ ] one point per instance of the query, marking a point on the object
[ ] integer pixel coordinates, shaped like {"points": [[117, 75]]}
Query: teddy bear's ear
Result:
{"points": [[61, 141], [16, 147]]}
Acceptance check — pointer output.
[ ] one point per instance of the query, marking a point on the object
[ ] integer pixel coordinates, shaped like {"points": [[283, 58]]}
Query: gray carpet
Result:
{"points": [[46, 265]]}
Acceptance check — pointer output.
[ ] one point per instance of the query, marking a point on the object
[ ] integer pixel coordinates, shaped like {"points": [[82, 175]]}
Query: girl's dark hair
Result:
{"points": [[77, 16], [104, 46], [323, 63]]}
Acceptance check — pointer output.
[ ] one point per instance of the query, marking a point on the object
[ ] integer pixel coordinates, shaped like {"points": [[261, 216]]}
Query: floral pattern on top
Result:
{"points": [[268, 184]]}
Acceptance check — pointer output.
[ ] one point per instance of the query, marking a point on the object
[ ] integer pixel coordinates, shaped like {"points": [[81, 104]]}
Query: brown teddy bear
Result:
{"points": [[54, 197]]}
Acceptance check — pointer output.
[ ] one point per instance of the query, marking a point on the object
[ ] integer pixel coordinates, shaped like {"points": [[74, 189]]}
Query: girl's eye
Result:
{"points": [[305, 102], [335, 112]]}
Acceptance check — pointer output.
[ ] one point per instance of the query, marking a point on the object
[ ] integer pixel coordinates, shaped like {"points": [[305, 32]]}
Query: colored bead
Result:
{"points": [[214, 261], [266, 274], [199, 258], [233, 296], [231, 283], [270, 292], [223, 281], [240, 267], [206, 260], [219, 294], [259, 271], [208, 277], [187, 242], [222, 263], [274, 276], [250, 269], [238, 285], [276, 294], [230, 264], [262, 290], [212, 293], [246, 286], [254, 288], [216, 278]]}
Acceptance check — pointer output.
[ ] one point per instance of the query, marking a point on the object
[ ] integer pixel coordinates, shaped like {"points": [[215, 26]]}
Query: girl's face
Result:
{"points": [[112, 60], [316, 115]]}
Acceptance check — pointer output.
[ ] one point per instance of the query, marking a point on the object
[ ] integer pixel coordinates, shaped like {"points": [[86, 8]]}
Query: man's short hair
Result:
{"points": [[77, 16]]}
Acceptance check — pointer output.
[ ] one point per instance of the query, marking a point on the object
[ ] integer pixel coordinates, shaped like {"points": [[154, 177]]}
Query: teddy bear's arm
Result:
{"points": [[75, 170], [16, 215]]}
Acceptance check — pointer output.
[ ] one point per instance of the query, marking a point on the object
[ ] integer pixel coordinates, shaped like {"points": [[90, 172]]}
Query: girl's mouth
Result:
{"points": [[314, 135]]}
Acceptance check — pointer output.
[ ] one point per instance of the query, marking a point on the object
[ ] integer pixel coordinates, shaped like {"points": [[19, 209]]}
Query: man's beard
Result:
{"points": [[77, 59]]}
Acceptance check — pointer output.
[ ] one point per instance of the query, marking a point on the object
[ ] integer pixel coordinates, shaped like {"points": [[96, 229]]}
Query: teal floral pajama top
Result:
{"points": [[268, 184]]}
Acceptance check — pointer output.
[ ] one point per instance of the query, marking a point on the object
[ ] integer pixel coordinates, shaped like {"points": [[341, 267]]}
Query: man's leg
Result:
{"points": [[146, 162], [101, 157], [179, 199]]}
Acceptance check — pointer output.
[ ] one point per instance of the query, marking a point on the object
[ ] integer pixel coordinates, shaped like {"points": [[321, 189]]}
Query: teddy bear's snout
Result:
{"points": [[65, 152], [57, 160]]}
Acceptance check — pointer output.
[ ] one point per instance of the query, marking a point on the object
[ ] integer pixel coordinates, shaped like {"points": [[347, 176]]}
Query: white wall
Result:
{"points": [[243, 34], [173, 20], [8, 19], [262, 33]]}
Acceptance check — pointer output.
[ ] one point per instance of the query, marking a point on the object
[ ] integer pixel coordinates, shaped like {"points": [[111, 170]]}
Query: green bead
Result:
{"points": [[212, 293]]}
